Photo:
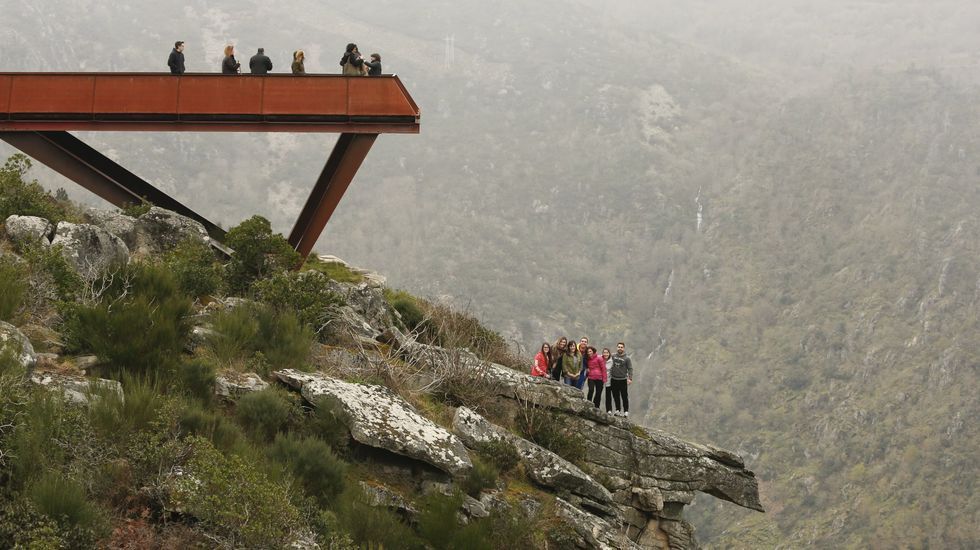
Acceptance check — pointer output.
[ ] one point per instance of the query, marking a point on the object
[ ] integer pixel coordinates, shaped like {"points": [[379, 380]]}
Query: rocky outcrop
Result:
{"points": [[233, 385], [591, 532], [77, 389], [117, 223], [378, 418], [160, 230], [14, 342], [542, 466], [23, 230], [89, 248]]}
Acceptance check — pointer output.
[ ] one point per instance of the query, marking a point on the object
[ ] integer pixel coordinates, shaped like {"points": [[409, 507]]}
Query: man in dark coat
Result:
{"points": [[176, 60], [260, 63]]}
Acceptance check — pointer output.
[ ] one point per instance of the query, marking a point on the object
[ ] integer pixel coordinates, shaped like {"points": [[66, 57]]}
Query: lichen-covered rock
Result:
{"points": [[378, 495], [542, 466], [377, 417], [89, 248], [13, 341], [22, 230], [160, 230], [76, 389], [232, 385], [592, 532], [117, 223]]}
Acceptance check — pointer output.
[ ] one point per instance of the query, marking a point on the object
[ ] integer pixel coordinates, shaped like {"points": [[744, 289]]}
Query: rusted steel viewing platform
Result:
{"points": [[37, 110]]}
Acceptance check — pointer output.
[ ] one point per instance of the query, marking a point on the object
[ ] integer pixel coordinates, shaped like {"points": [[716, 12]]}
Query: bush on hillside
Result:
{"points": [[408, 308], [371, 526], [305, 293], [197, 420], [13, 286], [501, 454], [249, 332], [193, 264], [482, 476], [313, 463], [439, 525], [81, 523], [233, 500], [334, 270], [23, 526], [266, 413], [258, 254], [50, 269], [28, 198], [138, 324], [549, 431], [196, 379]]}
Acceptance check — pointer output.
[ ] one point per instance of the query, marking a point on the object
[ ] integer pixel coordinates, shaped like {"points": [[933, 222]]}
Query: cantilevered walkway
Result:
{"points": [[37, 111]]}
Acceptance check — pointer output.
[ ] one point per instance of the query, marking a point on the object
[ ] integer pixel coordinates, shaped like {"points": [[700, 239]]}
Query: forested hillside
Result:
{"points": [[774, 205]]}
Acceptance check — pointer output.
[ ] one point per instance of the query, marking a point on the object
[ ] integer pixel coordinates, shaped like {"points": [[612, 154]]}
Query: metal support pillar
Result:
{"points": [[72, 158], [346, 158]]}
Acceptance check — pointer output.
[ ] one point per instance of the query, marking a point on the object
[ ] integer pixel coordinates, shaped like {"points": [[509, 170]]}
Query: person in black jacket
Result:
{"points": [[374, 66], [352, 62], [176, 59], [230, 65], [260, 63]]}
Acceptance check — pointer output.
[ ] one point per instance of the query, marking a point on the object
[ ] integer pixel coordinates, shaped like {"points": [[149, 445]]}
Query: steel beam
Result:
{"points": [[72, 158], [345, 159]]}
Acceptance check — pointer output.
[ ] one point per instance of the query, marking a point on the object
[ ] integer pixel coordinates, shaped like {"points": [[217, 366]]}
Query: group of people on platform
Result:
{"points": [[581, 364], [352, 63]]}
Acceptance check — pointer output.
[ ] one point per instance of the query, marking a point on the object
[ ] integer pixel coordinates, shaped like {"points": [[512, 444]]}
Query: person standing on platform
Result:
{"points": [[374, 66], [260, 63], [558, 351], [541, 361], [352, 62], [621, 376], [298, 67], [176, 59], [230, 65], [596, 375]]}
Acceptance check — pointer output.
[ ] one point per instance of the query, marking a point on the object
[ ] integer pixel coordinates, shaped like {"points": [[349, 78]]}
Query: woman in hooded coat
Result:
{"points": [[352, 62]]}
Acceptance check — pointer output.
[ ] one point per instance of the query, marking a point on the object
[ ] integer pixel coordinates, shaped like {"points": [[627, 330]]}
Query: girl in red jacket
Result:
{"points": [[596, 375], [541, 361]]}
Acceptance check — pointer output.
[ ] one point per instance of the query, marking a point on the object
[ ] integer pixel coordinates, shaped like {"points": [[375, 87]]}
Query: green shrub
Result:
{"points": [[326, 424], [246, 330], [196, 378], [408, 308], [136, 209], [22, 526], [115, 417], [333, 270], [233, 500], [193, 264], [314, 464], [139, 325], [370, 526], [305, 293], [13, 286], [265, 413], [549, 431], [501, 454], [28, 198], [195, 420], [41, 438], [439, 525], [81, 523], [258, 253], [482, 476], [49, 266]]}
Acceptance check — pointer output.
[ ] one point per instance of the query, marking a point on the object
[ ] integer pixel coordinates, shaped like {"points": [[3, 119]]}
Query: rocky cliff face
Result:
{"points": [[625, 488]]}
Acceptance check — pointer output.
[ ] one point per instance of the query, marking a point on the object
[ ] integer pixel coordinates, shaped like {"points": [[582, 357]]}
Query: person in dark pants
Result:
{"points": [[607, 357], [176, 59], [596, 375], [558, 351], [260, 63], [374, 66], [230, 65], [621, 376]]}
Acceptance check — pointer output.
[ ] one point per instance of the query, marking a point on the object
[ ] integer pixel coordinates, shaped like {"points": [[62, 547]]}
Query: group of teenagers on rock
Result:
{"points": [[352, 63], [578, 365]]}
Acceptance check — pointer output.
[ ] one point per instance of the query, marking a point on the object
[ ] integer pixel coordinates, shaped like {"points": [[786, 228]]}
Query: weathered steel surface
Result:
{"points": [[337, 174], [38, 109]]}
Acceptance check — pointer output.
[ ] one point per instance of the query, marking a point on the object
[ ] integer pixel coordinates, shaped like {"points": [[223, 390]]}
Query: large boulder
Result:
{"points": [[13, 341], [117, 223], [77, 389], [232, 385], [542, 466], [377, 417], [591, 532], [89, 248], [23, 230], [160, 230]]}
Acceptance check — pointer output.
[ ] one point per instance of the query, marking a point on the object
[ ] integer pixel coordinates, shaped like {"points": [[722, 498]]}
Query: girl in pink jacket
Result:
{"points": [[596, 376]]}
